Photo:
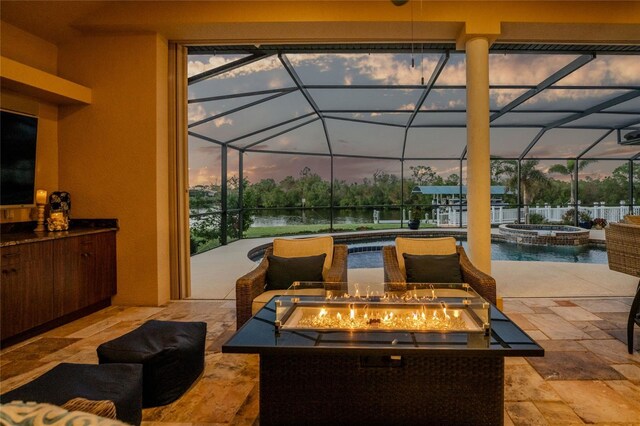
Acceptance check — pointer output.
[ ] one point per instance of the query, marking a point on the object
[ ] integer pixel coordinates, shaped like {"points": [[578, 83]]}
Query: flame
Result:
{"points": [[390, 319]]}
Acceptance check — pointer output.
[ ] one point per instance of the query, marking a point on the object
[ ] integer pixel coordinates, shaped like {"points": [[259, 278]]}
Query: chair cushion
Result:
{"points": [[283, 271], [433, 268], [120, 383], [306, 247], [259, 302], [445, 245]]}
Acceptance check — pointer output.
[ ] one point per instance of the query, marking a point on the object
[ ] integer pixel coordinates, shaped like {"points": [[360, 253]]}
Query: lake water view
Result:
{"points": [[264, 218]]}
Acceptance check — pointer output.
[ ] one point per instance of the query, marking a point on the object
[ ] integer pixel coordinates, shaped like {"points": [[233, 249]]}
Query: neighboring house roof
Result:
{"points": [[454, 190]]}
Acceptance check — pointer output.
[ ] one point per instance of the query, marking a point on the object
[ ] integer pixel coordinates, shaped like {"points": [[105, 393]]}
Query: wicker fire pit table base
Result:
{"points": [[312, 375], [338, 389]]}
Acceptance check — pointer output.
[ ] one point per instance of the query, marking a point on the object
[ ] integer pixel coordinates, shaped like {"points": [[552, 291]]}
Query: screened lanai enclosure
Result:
{"points": [[288, 140]]}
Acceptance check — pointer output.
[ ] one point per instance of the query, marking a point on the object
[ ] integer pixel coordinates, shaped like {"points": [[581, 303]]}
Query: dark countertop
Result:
{"points": [[22, 233]]}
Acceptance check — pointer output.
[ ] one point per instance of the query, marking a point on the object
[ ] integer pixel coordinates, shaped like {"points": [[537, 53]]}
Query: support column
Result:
{"points": [[478, 164]]}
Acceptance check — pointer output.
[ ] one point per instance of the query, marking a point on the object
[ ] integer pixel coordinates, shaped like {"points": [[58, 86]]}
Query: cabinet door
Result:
{"points": [[74, 271], [105, 276], [27, 287], [85, 271]]}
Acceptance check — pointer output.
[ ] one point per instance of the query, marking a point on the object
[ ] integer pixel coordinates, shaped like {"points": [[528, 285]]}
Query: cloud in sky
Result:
{"points": [[386, 69], [196, 113]]}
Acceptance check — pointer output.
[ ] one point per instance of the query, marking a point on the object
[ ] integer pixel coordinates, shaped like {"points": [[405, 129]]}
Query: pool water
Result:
{"points": [[369, 255]]}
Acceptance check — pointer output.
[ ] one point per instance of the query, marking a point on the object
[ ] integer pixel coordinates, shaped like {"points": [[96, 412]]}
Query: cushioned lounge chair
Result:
{"points": [[632, 219], [623, 251], [250, 288], [482, 283]]}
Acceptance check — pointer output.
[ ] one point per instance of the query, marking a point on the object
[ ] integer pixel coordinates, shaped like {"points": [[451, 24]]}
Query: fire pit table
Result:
{"points": [[338, 353]]}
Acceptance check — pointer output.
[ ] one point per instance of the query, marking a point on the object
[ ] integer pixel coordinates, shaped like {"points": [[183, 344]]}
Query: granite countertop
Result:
{"points": [[22, 233]]}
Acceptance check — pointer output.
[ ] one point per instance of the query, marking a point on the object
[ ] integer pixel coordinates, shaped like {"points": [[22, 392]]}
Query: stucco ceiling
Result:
{"points": [[309, 21], [50, 20]]}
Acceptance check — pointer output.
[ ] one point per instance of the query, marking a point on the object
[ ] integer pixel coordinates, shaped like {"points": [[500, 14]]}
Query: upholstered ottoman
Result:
{"points": [[119, 383], [171, 354]]}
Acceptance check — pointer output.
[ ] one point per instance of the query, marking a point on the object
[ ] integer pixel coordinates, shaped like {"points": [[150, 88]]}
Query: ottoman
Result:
{"points": [[119, 383], [171, 354]]}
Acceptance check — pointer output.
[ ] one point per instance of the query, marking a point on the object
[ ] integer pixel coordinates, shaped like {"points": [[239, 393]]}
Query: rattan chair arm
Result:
{"points": [[392, 273], [338, 271], [483, 284], [250, 286]]}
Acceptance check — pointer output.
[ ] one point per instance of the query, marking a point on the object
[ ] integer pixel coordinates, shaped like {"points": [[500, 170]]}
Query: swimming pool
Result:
{"points": [[369, 254]]}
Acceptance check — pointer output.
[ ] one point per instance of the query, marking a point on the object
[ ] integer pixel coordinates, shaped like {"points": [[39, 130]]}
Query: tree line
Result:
{"points": [[310, 190]]}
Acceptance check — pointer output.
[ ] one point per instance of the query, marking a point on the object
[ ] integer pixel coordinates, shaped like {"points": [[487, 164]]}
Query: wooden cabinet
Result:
{"points": [[27, 287], [50, 280], [84, 271]]}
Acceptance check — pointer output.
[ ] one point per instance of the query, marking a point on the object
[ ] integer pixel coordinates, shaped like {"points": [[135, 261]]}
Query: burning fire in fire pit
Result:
{"points": [[380, 317]]}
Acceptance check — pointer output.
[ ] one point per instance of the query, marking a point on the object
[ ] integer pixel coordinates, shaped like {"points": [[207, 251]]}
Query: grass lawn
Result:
{"points": [[272, 231]]}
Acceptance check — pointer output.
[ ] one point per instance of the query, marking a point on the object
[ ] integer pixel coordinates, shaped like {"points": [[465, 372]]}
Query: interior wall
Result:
{"points": [[30, 50], [113, 153]]}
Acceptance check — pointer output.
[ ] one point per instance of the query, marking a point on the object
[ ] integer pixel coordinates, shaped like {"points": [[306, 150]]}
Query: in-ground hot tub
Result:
{"points": [[561, 235]]}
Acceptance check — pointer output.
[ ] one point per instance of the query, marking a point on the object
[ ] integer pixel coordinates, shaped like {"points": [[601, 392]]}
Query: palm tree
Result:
{"points": [[532, 180], [567, 170]]}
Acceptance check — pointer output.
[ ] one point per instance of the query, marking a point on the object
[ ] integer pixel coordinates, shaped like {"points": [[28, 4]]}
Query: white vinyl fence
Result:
{"points": [[450, 216]]}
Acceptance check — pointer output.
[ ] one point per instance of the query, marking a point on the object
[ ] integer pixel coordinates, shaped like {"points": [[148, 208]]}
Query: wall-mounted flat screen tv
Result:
{"points": [[19, 134]]}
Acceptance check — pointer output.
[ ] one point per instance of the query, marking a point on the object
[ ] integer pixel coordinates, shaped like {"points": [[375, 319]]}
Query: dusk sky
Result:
{"points": [[385, 141]]}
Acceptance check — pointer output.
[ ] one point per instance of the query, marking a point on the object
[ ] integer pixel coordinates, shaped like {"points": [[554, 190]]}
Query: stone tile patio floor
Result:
{"points": [[586, 376]]}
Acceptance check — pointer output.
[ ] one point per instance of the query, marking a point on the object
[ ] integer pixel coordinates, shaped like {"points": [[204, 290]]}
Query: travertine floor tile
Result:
{"points": [[555, 327], [522, 322], [626, 389], [516, 360], [228, 391], [564, 302], [560, 365], [507, 419], [602, 305], [558, 413], [537, 335], [562, 345], [617, 318], [38, 348], [595, 402], [574, 313], [612, 351], [538, 302], [512, 306], [523, 383], [525, 413], [629, 371]]}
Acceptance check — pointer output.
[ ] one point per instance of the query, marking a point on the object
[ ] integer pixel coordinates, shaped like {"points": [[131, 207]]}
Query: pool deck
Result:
{"points": [[214, 273]]}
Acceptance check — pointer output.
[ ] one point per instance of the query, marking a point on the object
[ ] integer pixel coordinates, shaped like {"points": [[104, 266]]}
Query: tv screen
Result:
{"points": [[17, 159]]}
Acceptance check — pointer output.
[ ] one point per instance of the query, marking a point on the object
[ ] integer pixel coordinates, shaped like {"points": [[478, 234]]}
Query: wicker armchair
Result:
{"points": [[632, 220], [251, 285], [484, 284], [623, 250]]}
